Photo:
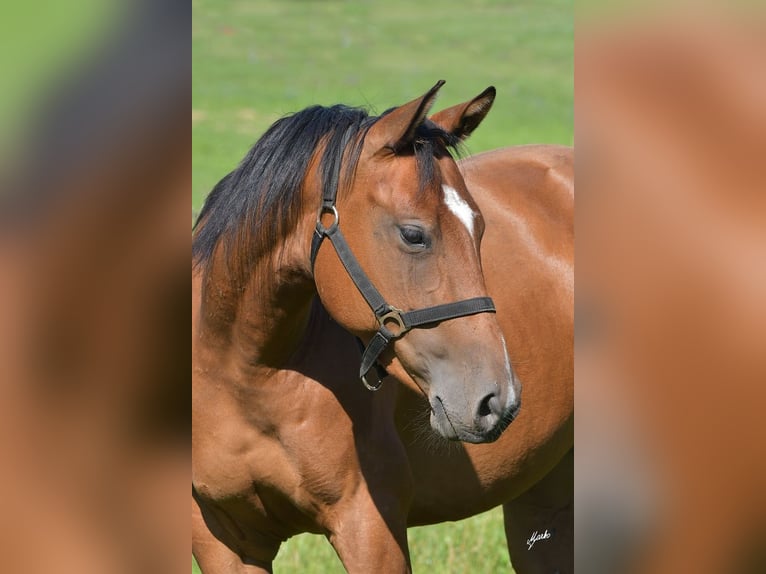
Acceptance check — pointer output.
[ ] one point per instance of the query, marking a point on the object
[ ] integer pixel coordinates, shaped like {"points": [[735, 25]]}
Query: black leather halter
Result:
{"points": [[393, 322]]}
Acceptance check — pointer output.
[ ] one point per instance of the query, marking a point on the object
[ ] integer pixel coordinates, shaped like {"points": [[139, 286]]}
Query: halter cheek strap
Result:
{"points": [[394, 323]]}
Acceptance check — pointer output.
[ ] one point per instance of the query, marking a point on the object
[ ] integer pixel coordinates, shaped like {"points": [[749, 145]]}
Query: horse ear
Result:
{"points": [[462, 119], [396, 130]]}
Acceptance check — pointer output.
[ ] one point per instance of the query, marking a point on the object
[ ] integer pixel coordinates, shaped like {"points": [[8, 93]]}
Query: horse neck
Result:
{"points": [[262, 320]]}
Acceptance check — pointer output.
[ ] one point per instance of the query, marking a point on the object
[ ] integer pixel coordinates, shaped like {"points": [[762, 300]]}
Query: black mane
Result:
{"points": [[259, 202]]}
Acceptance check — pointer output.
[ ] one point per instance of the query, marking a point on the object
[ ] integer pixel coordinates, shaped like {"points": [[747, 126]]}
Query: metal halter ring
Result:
{"points": [[370, 387], [334, 225]]}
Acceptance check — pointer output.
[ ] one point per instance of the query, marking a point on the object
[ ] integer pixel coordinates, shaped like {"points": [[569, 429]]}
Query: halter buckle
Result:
{"points": [[394, 316]]}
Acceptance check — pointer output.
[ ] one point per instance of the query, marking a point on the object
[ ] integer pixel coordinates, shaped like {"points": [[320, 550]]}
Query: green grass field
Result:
{"points": [[476, 545], [256, 61]]}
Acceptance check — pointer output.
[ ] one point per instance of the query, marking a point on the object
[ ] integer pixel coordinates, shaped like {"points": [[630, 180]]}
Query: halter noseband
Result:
{"points": [[388, 317]]}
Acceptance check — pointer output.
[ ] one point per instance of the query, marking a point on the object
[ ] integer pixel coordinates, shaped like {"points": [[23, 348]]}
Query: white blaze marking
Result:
{"points": [[509, 374], [459, 207]]}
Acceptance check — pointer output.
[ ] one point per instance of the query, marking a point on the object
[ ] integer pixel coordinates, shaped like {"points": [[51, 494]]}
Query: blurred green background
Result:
{"points": [[253, 62], [40, 44], [256, 61]]}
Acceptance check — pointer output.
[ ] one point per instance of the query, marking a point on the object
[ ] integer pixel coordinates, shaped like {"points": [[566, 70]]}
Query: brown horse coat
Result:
{"points": [[296, 444]]}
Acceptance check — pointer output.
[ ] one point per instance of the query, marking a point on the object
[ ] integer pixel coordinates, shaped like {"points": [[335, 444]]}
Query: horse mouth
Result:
{"points": [[441, 422]]}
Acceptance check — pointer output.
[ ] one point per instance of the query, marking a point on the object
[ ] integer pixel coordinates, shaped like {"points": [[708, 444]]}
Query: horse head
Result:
{"points": [[405, 276]]}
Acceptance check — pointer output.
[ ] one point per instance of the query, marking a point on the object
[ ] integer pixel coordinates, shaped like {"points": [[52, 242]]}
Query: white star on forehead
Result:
{"points": [[458, 206]]}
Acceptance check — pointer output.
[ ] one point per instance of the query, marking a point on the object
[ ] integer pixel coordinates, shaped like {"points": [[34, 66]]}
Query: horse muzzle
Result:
{"points": [[491, 415]]}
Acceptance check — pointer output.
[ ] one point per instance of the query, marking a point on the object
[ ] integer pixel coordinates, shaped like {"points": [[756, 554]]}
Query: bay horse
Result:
{"points": [[341, 231]]}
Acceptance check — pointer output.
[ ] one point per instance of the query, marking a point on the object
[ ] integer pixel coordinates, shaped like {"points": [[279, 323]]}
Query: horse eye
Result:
{"points": [[413, 236]]}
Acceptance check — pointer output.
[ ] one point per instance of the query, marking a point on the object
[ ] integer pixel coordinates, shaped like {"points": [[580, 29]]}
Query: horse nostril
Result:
{"points": [[484, 406]]}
